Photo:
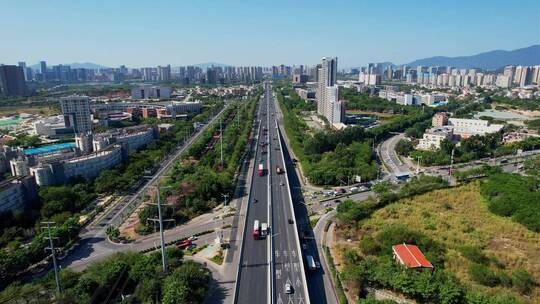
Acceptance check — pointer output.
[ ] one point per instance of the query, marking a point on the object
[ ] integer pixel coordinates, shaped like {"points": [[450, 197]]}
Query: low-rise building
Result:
{"points": [[17, 193], [87, 166], [468, 127], [410, 256], [147, 91], [433, 137]]}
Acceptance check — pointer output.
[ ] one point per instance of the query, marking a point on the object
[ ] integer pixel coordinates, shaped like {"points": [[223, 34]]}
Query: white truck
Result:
{"points": [[264, 229]]}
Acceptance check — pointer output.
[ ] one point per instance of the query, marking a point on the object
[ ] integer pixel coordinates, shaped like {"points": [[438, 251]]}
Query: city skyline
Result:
{"points": [[235, 33]]}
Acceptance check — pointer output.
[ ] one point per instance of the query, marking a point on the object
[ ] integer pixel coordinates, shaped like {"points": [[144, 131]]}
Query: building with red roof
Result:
{"points": [[410, 256]]}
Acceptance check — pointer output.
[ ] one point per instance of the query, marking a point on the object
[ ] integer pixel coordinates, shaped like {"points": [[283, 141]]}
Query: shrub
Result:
{"points": [[483, 275]]}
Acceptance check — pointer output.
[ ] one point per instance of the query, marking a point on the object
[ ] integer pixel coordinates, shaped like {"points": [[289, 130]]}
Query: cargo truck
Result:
{"points": [[261, 170], [256, 230]]}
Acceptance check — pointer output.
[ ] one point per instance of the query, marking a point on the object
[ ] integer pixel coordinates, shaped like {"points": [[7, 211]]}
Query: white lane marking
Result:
{"points": [[277, 254], [298, 282], [293, 254], [285, 253], [300, 300], [279, 301], [295, 264], [290, 300], [278, 274], [287, 267]]}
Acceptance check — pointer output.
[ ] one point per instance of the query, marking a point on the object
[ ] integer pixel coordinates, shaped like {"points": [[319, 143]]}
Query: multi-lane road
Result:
{"points": [[270, 264]]}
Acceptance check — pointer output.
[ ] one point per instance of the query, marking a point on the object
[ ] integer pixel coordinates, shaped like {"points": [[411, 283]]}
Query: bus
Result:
{"points": [[256, 230]]}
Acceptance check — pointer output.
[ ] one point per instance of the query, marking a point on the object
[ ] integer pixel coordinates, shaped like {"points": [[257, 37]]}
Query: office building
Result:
{"points": [[76, 111], [12, 81], [146, 91]]}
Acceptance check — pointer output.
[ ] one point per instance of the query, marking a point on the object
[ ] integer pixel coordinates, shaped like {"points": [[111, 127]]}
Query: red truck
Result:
{"points": [[256, 230], [184, 244], [261, 170]]}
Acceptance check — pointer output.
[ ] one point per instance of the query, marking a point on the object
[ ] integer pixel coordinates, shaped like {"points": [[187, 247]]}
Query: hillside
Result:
{"points": [[491, 60], [491, 256]]}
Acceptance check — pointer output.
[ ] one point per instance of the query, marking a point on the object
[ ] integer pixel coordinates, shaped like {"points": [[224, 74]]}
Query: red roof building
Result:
{"points": [[410, 256]]}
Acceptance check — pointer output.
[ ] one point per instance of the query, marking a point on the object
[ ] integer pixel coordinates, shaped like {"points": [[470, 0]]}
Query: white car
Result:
{"points": [[288, 288]]}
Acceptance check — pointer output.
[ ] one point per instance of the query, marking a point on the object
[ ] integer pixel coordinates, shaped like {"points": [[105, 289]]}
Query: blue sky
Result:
{"points": [[147, 33]]}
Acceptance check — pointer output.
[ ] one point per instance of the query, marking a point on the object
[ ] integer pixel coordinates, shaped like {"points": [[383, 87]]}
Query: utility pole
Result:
{"points": [[53, 253], [451, 161], [221, 140], [161, 236]]}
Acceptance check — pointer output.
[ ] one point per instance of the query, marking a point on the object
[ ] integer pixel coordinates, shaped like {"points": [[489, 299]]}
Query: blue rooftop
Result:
{"points": [[49, 148]]}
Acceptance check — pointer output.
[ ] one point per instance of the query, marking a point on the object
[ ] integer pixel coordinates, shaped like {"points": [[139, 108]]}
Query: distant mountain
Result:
{"points": [[488, 61], [76, 65]]}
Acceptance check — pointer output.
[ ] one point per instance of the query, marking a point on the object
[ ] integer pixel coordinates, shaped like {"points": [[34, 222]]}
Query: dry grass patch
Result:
{"points": [[458, 216]]}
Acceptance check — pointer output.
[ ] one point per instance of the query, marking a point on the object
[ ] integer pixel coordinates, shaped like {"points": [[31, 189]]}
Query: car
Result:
{"points": [[326, 205], [193, 238], [337, 201], [288, 288], [281, 184], [291, 221], [255, 200]]}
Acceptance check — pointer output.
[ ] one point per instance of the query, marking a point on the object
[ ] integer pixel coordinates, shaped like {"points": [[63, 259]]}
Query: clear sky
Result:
{"points": [[148, 33]]}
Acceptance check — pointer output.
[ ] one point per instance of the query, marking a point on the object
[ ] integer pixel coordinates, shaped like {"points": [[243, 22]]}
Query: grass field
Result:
{"points": [[456, 217]]}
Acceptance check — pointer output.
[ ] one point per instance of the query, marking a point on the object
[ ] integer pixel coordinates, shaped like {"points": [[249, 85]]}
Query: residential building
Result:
{"points": [[327, 78], [433, 137], [299, 78], [164, 73], [12, 81], [439, 119], [76, 110]]}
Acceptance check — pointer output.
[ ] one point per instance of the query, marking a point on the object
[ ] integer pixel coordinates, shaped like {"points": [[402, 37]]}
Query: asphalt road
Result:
{"points": [[253, 276], [288, 256]]}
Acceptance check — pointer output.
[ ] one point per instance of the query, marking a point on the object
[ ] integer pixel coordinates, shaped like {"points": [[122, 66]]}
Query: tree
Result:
{"points": [[112, 232], [404, 147]]}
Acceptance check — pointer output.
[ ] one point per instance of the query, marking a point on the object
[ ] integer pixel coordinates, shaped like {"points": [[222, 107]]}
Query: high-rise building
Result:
{"points": [[327, 77], [164, 73], [43, 70], [76, 110], [12, 81], [211, 76], [526, 75], [22, 64]]}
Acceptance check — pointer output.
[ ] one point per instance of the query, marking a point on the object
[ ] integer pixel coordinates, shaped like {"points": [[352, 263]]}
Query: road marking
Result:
{"points": [[277, 254], [298, 282], [279, 301], [293, 254], [290, 300], [284, 253], [300, 300], [295, 266], [287, 267], [278, 274]]}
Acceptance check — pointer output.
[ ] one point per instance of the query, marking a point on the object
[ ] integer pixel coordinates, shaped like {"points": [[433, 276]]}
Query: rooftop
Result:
{"points": [[411, 256]]}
